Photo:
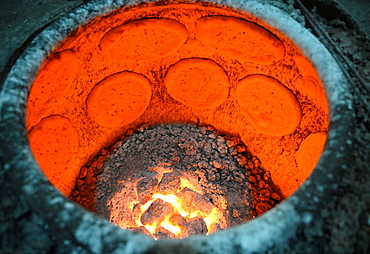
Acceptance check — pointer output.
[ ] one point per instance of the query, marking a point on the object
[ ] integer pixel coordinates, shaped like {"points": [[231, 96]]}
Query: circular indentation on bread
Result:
{"points": [[51, 84], [314, 90], [309, 153], [54, 143], [268, 105], [239, 39], [311, 86], [198, 83], [119, 99], [145, 39]]}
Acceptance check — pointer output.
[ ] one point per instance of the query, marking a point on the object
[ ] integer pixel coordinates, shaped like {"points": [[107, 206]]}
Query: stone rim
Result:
{"points": [[257, 235]]}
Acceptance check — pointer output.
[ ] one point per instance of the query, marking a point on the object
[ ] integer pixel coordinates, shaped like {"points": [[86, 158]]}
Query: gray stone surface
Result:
{"points": [[330, 213], [359, 11], [21, 20]]}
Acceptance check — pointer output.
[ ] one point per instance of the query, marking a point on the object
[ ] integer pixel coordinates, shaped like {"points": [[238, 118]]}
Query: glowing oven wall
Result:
{"points": [[177, 63]]}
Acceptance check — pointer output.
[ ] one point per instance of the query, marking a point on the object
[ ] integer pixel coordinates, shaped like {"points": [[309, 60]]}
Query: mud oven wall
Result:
{"points": [[83, 231]]}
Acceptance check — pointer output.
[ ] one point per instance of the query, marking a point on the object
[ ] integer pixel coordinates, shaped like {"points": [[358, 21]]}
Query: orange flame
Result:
{"points": [[175, 201]]}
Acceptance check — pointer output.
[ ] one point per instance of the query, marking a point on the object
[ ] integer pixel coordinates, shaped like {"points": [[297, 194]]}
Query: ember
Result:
{"points": [[166, 212], [164, 70], [171, 192], [183, 213]]}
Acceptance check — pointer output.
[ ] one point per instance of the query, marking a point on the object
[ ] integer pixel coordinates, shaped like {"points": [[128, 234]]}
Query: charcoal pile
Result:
{"points": [[203, 168]]}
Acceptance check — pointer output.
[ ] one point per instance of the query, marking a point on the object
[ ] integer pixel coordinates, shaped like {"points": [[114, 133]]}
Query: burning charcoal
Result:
{"points": [[136, 212], [271, 202], [170, 183], [83, 172], [275, 196], [157, 212], [262, 207], [267, 176], [195, 226], [264, 195], [241, 192], [252, 179], [254, 171], [220, 201], [178, 220], [75, 193], [214, 227], [141, 230], [145, 188], [193, 201], [261, 184], [163, 233]]}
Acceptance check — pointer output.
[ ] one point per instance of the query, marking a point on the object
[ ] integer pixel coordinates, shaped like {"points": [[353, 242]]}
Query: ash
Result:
{"points": [[227, 174]]}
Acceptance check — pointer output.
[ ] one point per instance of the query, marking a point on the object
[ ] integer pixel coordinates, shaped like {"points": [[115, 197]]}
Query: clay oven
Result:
{"points": [[175, 119]]}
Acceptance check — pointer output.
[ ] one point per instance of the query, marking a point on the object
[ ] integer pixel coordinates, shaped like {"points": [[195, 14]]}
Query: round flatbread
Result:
{"points": [[145, 39], [239, 39], [50, 85], [198, 83], [119, 99], [269, 106], [309, 153], [54, 143]]}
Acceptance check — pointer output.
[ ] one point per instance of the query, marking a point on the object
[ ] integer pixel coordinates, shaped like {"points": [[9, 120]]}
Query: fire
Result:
{"points": [[212, 218], [177, 204], [173, 200], [183, 213], [176, 230]]}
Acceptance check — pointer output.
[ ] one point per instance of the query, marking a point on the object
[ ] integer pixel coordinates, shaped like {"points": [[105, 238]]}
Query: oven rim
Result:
{"points": [[69, 221]]}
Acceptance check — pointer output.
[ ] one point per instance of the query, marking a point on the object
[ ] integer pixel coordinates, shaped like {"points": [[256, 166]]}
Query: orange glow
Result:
{"points": [[51, 84], [143, 40], [150, 228], [270, 107], [309, 152], [121, 72], [237, 38], [173, 200], [54, 144], [181, 208], [112, 104], [176, 230], [209, 219], [189, 182], [197, 83]]}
